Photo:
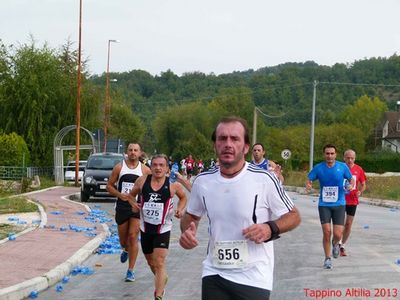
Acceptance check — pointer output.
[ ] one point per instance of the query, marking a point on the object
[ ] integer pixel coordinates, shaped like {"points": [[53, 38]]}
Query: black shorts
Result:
{"points": [[149, 241], [217, 288], [351, 210], [123, 215], [189, 171], [334, 213]]}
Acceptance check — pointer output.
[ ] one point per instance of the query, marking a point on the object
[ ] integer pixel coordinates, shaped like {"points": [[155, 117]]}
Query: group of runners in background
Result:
{"points": [[341, 185]]}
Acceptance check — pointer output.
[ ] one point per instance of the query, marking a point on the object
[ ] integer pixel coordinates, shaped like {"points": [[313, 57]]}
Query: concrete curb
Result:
{"points": [[23, 289], [41, 283]]}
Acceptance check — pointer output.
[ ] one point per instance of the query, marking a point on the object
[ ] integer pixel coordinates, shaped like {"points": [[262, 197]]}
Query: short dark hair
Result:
{"points": [[161, 155], [140, 146], [233, 119], [329, 146], [258, 144]]}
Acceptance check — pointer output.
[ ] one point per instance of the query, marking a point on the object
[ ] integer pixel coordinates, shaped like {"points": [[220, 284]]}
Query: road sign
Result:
{"points": [[286, 154]]}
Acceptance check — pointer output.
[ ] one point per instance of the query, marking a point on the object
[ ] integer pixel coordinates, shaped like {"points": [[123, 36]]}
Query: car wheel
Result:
{"points": [[84, 197]]}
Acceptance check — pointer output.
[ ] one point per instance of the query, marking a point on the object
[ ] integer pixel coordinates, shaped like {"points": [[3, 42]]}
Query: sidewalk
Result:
{"points": [[42, 256]]}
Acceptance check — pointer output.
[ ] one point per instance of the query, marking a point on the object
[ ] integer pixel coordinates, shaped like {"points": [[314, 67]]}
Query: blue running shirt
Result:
{"points": [[331, 182], [262, 165]]}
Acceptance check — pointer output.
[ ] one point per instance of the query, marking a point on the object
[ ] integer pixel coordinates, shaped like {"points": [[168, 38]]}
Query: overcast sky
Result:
{"points": [[219, 36]]}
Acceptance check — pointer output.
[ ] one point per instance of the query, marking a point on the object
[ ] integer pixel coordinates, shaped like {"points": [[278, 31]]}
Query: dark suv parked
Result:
{"points": [[98, 169]]}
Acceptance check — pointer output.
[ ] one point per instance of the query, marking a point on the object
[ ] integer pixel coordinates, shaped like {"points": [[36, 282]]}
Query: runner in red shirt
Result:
{"points": [[200, 166], [189, 162], [352, 197]]}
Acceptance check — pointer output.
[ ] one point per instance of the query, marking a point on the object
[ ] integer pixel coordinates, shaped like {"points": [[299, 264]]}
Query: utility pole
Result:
{"points": [[313, 126], [255, 125]]}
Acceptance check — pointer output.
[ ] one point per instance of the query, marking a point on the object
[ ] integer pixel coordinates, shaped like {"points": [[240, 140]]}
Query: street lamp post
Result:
{"points": [[107, 103], [78, 99]]}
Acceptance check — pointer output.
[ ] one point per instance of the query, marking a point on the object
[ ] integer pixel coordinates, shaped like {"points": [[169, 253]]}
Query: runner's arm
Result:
{"points": [[137, 188], [271, 230], [112, 181], [363, 187], [308, 185], [182, 180], [182, 200], [146, 170], [189, 224], [288, 221]]}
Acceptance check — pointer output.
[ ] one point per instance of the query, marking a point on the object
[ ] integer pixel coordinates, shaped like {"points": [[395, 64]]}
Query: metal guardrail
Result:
{"points": [[14, 173]]}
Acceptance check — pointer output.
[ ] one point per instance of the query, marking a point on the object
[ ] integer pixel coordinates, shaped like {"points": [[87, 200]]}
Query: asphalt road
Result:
{"points": [[369, 272]]}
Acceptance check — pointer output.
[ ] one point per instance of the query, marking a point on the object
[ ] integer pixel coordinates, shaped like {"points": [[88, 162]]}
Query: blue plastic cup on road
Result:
{"points": [[34, 294], [366, 226], [65, 279], [74, 272], [59, 288]]}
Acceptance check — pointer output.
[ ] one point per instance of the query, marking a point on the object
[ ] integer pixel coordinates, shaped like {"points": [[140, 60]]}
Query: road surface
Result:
{"points": [[369, 272]]}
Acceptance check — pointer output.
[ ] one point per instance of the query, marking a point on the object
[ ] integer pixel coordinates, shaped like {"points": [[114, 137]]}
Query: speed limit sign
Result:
{"points": [[286, 154]]}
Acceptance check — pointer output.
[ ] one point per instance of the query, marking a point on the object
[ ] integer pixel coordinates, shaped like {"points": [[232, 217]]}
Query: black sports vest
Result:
{"points": [[156, 208]]}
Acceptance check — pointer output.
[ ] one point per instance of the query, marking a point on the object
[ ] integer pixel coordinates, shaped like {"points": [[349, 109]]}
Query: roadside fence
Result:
{"points": [[17, 173]]}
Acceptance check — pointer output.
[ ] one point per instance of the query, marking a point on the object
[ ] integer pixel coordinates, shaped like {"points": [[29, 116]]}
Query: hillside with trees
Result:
{"points": [[176, 114]]}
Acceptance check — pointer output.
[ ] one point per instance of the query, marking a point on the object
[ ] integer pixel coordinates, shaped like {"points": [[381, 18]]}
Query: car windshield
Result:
{"points": [[103, 162], [71, 166]]}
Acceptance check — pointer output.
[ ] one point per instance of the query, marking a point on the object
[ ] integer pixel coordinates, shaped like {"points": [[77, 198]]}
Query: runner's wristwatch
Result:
{"points": [[274, 231]]}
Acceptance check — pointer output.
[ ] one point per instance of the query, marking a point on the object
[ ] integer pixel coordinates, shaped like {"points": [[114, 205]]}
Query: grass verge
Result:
{"points": [[377, 187], [5, 229], [12, 205]]}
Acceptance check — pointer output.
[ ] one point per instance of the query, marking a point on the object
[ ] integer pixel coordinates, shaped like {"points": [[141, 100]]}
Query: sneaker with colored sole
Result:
{"points": [[130, 276], [343, 251], [124, 256], [328, 263], [163, 293]]}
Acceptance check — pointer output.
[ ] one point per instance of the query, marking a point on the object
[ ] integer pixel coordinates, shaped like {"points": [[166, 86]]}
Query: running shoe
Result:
{"points": [[124, 256], [336, 250], [342, 251], [130, 276], [328, 263], [163, 293]]}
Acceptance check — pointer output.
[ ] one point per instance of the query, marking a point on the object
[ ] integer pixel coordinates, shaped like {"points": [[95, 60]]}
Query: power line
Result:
{"points": [[361, 84], [269, 116], [223, 95]]}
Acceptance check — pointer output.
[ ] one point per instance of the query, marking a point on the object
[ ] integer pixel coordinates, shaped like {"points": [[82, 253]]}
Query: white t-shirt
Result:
{"points": [[231, 205]]}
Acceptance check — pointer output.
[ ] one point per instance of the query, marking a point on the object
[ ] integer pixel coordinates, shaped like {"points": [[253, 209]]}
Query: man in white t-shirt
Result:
{"points": [[239, 200]]}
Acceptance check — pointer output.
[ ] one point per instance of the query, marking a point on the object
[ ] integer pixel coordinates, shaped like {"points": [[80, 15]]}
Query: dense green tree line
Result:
{"points": [[38, 88], [176, 114], [353, 96]]}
